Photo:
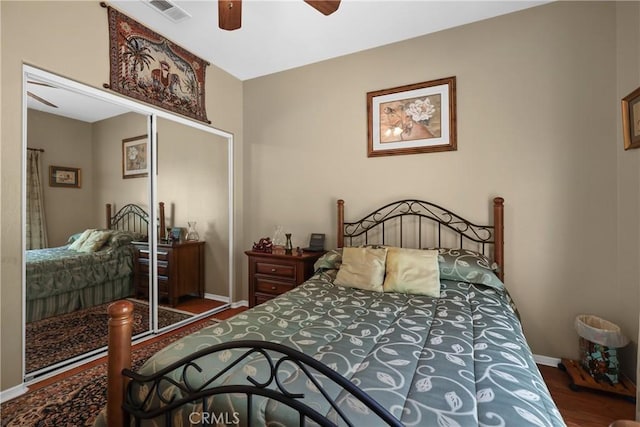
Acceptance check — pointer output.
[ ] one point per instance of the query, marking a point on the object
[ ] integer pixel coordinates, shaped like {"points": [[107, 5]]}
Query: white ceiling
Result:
{"points": [[280, 35]]}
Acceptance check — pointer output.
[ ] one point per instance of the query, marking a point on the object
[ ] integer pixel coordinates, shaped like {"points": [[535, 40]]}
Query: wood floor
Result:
{"points": [[585, 408], [579, 409]]}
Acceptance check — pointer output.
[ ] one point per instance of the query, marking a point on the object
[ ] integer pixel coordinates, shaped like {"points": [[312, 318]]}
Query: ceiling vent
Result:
{"points": [[169, 10]]}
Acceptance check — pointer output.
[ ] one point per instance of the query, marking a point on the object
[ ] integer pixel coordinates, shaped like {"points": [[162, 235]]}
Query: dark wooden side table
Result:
{"points": [[180, 270], [271, 275]]}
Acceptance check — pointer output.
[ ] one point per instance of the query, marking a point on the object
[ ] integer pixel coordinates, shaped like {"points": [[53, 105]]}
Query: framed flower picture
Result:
{"points": [[631, 120], [135, 157], [417, 118]]}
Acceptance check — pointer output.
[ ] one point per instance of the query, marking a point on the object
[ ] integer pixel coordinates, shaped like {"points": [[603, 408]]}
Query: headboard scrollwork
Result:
{"points": [[132, 217], [412, 220]]}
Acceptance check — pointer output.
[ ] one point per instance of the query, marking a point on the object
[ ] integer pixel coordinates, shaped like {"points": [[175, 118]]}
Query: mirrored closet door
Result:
{"points": [[102, 200], [193, 183]]}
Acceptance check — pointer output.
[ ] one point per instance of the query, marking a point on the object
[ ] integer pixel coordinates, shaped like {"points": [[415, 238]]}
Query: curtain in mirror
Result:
{"points": [[35, 226]]}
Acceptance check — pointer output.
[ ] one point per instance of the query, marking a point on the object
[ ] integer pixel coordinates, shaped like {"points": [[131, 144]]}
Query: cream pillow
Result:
{"points": [[362, 268], [95, 241], [412, 271], [77, 244]]}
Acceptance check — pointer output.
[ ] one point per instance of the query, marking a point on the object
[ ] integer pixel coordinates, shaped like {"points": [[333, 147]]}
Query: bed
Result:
{"points": [[63, 279], [326, 353]]}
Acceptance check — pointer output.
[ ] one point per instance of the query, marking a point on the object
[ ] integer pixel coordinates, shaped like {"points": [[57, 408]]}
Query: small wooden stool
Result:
{"points": [[580, 378]]}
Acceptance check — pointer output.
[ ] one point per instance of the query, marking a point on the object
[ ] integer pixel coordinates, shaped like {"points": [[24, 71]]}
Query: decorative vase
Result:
{"points": [[288, 247], [192, 234], [278, 240]]}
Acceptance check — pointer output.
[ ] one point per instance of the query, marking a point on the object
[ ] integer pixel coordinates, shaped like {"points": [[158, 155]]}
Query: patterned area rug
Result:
{"points": [[52, 340], [78, 399]]}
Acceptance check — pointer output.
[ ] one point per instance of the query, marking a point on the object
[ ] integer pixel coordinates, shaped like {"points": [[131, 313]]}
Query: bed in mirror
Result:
{"points": [[106, 213]]}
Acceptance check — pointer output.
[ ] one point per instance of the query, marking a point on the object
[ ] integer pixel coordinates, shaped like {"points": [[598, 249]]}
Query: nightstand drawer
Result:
{"points": [[273, 274], [163, 267], [179, 272], [163, 255], [279, 270], [272, 287]]}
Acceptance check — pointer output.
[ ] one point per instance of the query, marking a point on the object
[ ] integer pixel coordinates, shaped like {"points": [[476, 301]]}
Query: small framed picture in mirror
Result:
{"points": [[61, 176]]}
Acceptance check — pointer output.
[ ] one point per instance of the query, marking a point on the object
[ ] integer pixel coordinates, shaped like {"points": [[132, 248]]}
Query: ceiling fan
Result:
{"points": [[230, 11], [38, 98]]}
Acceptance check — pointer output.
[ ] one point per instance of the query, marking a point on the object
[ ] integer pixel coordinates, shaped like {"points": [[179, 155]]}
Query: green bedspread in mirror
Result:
{"points": [[60, 280]]}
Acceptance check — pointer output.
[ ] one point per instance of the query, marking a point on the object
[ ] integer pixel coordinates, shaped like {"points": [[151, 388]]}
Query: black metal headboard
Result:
{"points": [[130, 217], [413, 222]]}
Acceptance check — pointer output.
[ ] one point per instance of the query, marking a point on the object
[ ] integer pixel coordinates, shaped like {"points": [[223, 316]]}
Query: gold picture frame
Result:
{"points": [[62, 176], [135, 157], [411, 119], [631, 120]]}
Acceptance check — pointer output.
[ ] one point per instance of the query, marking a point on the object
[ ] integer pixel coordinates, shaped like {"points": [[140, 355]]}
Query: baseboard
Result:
{"points": [[221, 298], [546, 360], [215, 297], [13, 392], [241, 303]]}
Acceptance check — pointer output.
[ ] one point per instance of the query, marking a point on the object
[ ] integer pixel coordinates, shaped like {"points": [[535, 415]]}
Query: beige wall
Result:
{"points": [[110, 187], [66, 142], [628, 167], [537, 124], [70, 39]]}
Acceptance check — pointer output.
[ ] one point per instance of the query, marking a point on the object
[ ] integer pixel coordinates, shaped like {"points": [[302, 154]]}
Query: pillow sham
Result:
{"points": [[123, 237], [330, 260], [77, 243], [74, 237], [412, 271], [95, 241], [362, 268], [468, 266]]}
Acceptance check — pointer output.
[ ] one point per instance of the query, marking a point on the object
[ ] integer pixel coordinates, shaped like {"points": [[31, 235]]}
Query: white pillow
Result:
{"points": [[362, 268], [77, 244], [412, 271]]}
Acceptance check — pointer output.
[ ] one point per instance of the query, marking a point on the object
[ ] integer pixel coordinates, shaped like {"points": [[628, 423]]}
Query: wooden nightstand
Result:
{"points": [[180, 270], [271, 275]]}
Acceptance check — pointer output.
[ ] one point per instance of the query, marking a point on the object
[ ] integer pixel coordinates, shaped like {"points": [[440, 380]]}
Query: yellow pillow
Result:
{"points": [[362, 268], [77, 244], [412, 271], [95, 241]]}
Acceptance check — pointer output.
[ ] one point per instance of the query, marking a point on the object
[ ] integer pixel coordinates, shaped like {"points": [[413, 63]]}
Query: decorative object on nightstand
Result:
{"points": [[192, 234], [316, 243], [176, 235], [273, 274], [180, 270], [288, 247], [263, 245], [278, 240]]}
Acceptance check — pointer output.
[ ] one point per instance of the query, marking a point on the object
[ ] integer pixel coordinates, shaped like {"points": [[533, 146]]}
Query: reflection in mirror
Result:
{"points": [[75, 164], [193, 182]]}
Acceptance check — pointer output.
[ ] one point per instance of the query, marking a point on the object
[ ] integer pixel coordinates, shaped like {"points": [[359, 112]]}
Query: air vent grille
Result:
{"points": [[169, 10]]}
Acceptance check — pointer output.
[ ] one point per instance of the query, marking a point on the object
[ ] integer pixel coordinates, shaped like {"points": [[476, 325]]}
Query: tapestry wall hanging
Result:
{"points": [[147, 67]]}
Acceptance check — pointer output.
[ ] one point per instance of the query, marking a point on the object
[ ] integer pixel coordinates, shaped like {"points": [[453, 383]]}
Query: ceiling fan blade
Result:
{"points": [[229, 14], [326, 7], [44, 101]]}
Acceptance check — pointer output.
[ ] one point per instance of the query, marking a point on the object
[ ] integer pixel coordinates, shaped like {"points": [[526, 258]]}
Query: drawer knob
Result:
{"points": [[273, 288], [273, 270]]}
